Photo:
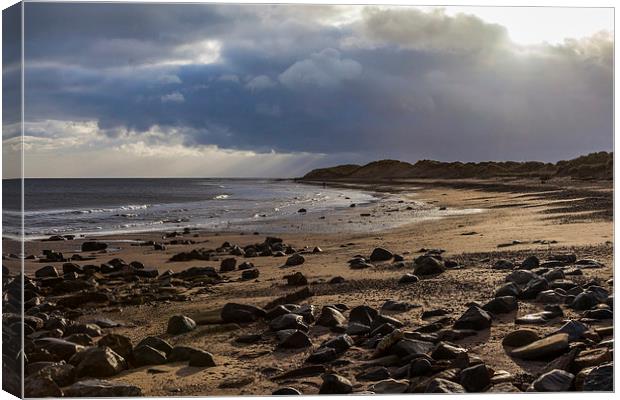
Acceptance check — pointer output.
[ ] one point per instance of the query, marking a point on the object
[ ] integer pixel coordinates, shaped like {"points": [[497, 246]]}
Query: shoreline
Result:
{"points": [[516, 225]]}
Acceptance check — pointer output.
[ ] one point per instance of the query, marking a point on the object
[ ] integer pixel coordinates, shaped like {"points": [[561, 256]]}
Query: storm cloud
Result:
{"points": [[293, 87]]}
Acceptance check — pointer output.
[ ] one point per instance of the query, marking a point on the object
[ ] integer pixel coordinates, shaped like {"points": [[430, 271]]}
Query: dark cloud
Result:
{"points": [[392, 83]]}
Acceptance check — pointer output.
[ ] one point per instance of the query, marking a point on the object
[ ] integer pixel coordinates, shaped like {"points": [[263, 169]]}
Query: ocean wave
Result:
{"points": [[129, 207]]}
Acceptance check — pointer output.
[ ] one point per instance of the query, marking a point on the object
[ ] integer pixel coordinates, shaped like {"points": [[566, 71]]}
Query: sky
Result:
{"points": [[156, 90]]}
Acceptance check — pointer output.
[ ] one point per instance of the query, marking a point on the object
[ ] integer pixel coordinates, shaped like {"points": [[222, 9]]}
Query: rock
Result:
{"points": [[554, 274], [385, 343], [286, 391], [592, 358], [241, 313], [551, 297], [156, 343], [520, 276], [533, 287], [330, 317], [504, 387], [68, 268], [41, 386], [503, 264], [61, 373], [101, 388], [445, 351], [120, 344], [375, 374], [295, 259], [439, 385], [419, 367], [89, 329], [245, 265], [80, 338], [296, 279], [585, 301], [408, 278], [501, 305], [410, 347], [250, 274], [48, 271], [363, 315], [178, 324], [596, 379], [335, 384], [323, 355], [530, 263], [508, 289], [390, 386], [336, 280], [340, 343], [574, 329], [146, 355], [474, 318], [98, 362], [94, 246], [475, 378], [552, 381], [520, 338], [381, 254], [228, 264], [599, 314], [543, 348], [62, 349], [288, 321], [201, 358], [294, 339], [399, 306], [355, 329], [428, 265]]}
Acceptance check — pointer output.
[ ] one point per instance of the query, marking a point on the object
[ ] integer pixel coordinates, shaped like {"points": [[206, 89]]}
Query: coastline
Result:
{"points": [[515, 224]]}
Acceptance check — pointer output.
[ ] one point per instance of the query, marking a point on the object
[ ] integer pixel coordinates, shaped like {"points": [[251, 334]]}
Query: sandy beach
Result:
{"points": [[477, 224]]}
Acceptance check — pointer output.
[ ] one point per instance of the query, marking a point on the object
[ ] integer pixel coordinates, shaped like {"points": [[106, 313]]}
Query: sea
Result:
{"points": [[108, 206]]}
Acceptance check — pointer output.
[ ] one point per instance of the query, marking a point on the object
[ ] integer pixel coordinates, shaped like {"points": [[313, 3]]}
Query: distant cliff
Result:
{"points": [[592, 166]]}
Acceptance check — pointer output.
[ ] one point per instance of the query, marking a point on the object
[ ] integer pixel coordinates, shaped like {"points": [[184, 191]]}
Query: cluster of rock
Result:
{"points": [[64, 356], [429, 263], [427, 358], [271, 247], [580, 351]]}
